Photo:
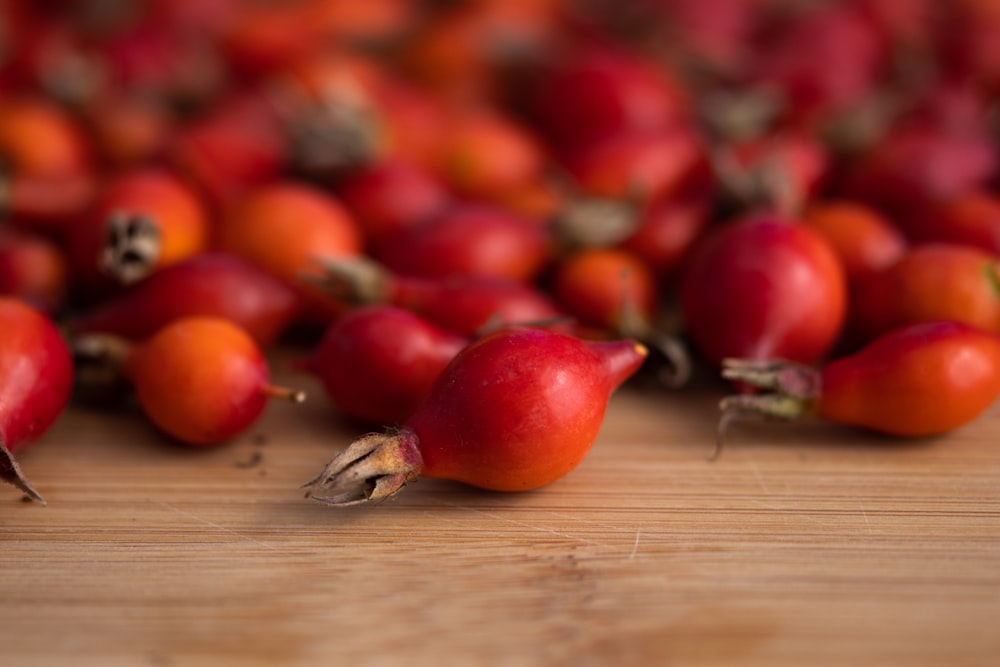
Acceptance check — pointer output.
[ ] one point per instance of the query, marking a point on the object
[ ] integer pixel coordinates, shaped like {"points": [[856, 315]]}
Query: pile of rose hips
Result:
{"points": [[482, 216]]}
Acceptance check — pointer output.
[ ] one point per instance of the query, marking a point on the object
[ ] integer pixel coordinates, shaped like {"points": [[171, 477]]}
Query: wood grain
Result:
{"points": [[804, 544]]}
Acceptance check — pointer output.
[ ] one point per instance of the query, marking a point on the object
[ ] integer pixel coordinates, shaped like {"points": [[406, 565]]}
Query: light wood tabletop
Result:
{"points": [[803, 544]]}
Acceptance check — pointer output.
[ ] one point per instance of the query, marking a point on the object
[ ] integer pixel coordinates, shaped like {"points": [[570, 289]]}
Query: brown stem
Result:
{"points": [[355, 281], [676, 369], [283, 393]]}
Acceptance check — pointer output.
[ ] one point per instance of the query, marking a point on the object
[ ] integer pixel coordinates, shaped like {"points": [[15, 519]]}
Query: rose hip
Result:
{"points": [[465, 305], [200, 380], [33, 268], [377, 363], [515, 410], [286, 228], [391, 196], [764, 287], [209, 284], [476, 239], [36, 378], [932, 281], [487, 155], [865, 240], [918, 380], [971, 217], [143, 220]]}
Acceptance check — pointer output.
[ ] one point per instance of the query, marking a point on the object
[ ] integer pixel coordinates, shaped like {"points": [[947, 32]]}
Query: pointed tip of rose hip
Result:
{"points": [[622, 358]]}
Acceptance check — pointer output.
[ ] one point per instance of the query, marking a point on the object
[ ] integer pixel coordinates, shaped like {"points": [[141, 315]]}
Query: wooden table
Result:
{"points": [[804, 544]]}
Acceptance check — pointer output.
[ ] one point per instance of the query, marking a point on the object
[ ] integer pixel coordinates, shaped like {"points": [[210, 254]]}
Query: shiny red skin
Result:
{"points": [[519, 408], [390, 197], [764, 287], [210, 284], [471, 240], [377, 363], [468, 305], [36, 374], [917, 380]]}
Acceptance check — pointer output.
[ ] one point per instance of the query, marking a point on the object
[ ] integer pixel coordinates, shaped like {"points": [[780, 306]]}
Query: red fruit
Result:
{"points": [[667, 229], [365, 22], [821, 61], [638, 165], [128, 129], [143, 220], [714, 33], [33, 269], [969, 38], [864, 239], [287, 228], [47, 167], [934, 281], [918, 163], [487, 155], [377, 363], [608, 288], [236, 146], [515, 410], [761, 287], [39, 139], [36, 378], [391, 196], [598, 92], [970, 218], [468, 50], [201, 380], [466, 305], [263, 37], [919, 380], [210, 284], [471, 240], [614, 291]]}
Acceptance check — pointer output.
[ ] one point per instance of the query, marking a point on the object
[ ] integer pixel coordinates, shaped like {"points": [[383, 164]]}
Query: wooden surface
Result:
{"points": [[803, 544]]}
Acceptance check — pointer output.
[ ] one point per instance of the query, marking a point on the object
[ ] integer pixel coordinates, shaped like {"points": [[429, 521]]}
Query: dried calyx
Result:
{"points": [[789, 391], [132, 247], [11, 473], [372, 468]]}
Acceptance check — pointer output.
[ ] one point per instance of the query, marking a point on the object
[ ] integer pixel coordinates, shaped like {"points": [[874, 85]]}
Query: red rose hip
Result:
{"points": [[36, 378], [515, 410]]}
